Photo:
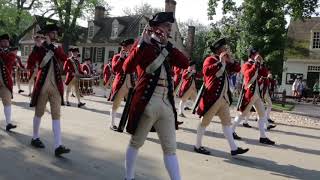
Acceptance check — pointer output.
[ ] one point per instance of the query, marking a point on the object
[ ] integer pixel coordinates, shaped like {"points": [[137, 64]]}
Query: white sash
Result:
{"points": [[46, 58], [74, 66], [158, 61]]}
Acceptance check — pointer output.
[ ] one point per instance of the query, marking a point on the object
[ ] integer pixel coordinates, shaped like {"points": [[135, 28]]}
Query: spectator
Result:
{"points": [[316, 90], [295, 87]]}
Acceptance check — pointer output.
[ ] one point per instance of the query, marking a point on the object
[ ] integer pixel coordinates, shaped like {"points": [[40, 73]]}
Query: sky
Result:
{"points": [[185, 9]]}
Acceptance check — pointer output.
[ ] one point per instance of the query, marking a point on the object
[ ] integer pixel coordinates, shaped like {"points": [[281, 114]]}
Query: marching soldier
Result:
{"points": [[188, 87], [20, 67], [122, 81], [152, 103], [73, 69], [38, 40], [87, 68], [264, 82], [7, 61], [107, 73], [48, 86], [216, 96], [251, 95], [177, 77]]}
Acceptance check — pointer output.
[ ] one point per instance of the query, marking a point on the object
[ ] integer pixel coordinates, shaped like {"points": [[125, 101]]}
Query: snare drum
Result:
{"points": [[86, 86]]}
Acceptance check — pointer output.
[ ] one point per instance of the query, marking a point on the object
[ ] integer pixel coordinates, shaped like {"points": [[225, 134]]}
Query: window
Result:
{"points": [[313, 68], [87, 53], [26, 51], [110, 55], [141, 28], [91, 31], [115, 29], [99, 52], [316, 40]]}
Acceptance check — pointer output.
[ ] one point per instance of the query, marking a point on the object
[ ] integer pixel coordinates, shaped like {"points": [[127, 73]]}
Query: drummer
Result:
{"points": [[87, 67], [74, 73]]}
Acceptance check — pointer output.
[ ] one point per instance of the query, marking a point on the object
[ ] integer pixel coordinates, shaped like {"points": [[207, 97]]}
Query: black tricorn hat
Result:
{"points": [[5, 37], [161, 17], [75, 49], [218, 44], [49, 28], [127, 42], [191, 62], [13, 48], [252, 51]]}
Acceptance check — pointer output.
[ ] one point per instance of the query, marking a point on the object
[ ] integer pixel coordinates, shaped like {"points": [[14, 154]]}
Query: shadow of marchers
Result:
{"points": [[189, 148], [288, 171], [84, 162]]}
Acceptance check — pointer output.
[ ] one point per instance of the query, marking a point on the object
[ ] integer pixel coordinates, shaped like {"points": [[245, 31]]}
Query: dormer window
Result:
{"points": [[115, 29], [316, 40], [141, 27]]}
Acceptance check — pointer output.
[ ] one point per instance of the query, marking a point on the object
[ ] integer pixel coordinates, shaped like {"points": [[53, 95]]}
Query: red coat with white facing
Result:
{"points": [[107, 72], [138, 60], [120, 75], [214, 84], [177, 75], [36, 57], [264, 82], [86, 69], [8, 61], [248, 70], [69, 68], [187, 80]]}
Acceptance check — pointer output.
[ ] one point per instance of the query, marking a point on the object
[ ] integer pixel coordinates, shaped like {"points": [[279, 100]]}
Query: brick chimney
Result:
{"points": [[99, 13], [190, 40], [170, 6]]}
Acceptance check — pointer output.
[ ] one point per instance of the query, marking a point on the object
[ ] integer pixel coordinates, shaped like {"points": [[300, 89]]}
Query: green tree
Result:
{"points": [[69, 11], [262, 25], [142, 9], [15, 17]]}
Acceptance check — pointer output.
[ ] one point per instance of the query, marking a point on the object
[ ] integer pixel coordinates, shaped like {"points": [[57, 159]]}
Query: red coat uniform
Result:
{"points": [[264, 82], [177, 76], [140, 57], [36, 57], [120, 75], [86, 68], [7, 61], [187, 81], [213, 84], [69, 68], [248, 70], [107, 72]]}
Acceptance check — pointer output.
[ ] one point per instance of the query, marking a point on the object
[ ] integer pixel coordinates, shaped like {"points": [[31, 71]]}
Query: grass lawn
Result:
{"points": [[278, 106]]}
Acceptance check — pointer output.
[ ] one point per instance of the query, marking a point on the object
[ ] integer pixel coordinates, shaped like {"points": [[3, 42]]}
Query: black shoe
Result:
{"points": [[201, 150], [266, 141], [187, 109], [29, 95], [61, 150], [10, 126], [256, 119], [72, 95], [182, 115], [235, 136], [114, 128], [20, 91], [68, 103], [270, 121], [81, 104], [239, 151], [37, 143], [81, 95], [180, 122], [271, 127], [246, 125]]}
